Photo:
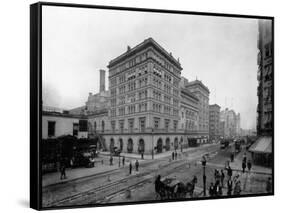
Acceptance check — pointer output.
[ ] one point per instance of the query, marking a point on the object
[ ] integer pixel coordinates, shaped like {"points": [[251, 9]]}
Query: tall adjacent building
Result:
{"points": [[214, 122], [265, 78], [144, 100], [262, 149], [202, 93], [189, 110]]}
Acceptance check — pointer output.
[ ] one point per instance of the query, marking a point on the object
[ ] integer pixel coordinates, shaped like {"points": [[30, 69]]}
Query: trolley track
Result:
{"points": [[102, 193]]}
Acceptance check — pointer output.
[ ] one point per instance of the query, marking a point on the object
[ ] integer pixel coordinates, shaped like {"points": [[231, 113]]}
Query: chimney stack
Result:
{"points": [[102, 81]]}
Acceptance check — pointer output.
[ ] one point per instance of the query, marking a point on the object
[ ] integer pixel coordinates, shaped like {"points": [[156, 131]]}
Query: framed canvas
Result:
{"points": [[135, 105]]}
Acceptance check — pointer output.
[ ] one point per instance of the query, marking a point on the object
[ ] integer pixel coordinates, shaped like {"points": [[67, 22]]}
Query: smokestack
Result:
{"points": [[102, 80]]}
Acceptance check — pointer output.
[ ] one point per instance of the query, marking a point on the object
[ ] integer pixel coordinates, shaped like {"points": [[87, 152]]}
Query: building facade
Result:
{"points": [[214, 122], [202, 93], [56, 124], [144, 100], [189, 104], [265, 79], [231, 123]]}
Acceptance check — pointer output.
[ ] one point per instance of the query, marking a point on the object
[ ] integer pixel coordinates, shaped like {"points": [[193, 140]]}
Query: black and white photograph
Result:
{"points": [[149, 106]]}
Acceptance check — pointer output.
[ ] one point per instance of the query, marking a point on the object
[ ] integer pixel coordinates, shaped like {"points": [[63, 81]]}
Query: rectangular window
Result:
{"points": [[142, 124], [175, 125], [51, 128], [113, 125], [167, 122], [121, 125], [83, 125], [131, 124], [156, 123], [75, 129]]}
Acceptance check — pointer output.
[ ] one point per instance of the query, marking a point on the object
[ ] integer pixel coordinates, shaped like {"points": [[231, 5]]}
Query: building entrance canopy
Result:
{"points": [[262, 145]]}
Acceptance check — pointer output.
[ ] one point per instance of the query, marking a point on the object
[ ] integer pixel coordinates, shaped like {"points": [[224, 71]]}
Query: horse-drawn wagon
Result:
{"points": [[170, 188]]}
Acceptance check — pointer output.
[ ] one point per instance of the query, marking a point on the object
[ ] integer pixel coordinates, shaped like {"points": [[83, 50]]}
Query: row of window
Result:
{"points": [[142, 124], [143, 107]]}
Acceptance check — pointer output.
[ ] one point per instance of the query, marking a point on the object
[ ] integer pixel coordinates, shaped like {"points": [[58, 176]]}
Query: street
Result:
{"points": [[117, 185]]}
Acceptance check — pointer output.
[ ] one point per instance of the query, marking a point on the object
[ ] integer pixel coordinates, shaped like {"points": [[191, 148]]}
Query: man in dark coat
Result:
{"points": [[229, 172], [123, 161], [137, 165], [222, 178], [243, 166], [249, 165], [173, 155], [62, 170], [229, 187], [111, 160], [130, 168]]}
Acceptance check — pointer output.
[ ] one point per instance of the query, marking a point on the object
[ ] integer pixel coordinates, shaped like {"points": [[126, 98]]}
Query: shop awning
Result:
{"points": [[262, 145]]}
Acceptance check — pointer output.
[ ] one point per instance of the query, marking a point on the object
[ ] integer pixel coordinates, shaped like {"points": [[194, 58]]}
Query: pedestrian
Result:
{"points": [[243, 166], [229, 172], [173, 155], [237, 188], [137, 165], [123, 161], [62, 171], [211, 189], [229, 187], [142, 155], [269, 185], [111, 160], [222, 178], [244, 157], [249, 165], [130, 168], [176, 155], [71, 162], [232, 157]]}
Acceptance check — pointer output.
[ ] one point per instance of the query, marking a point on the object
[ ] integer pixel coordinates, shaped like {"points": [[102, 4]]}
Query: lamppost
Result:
{"points": [[152, 150], [204, 174]]}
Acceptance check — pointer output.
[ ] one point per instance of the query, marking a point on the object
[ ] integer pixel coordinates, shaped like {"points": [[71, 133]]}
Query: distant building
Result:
{"points": [[95, 102], [214, 122], [222, 129], [202, 93], [231, 122]]}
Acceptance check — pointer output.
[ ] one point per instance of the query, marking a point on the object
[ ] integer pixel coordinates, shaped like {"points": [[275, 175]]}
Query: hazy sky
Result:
{"points": [[220, 51]]}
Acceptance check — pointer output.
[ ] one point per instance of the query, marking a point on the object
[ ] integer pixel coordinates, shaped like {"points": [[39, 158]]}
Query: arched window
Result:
{"points": [[141, 146], [130, 146]]}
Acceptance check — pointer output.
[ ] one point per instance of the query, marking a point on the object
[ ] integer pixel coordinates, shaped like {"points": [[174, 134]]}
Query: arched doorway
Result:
{"points": [[102, 126], [167, 144], [176, 144], [111, 146], [141, 146], [159, 147], [130, 145], [120, 144]]}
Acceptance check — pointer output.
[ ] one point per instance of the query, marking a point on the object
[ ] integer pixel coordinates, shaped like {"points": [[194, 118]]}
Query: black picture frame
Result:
{"points": [[36, 99]]}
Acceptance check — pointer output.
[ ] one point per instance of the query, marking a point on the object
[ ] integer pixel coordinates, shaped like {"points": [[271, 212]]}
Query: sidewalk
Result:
{"points": [[76, 173], [157, 155]]}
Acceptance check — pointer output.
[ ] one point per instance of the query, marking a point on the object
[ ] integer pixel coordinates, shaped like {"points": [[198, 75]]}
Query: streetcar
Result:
{"points": [[224, 143], [238, 145]]}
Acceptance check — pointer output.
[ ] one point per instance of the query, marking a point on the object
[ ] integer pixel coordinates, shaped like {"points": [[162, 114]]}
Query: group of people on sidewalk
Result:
{"points": [[233, 185]]}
